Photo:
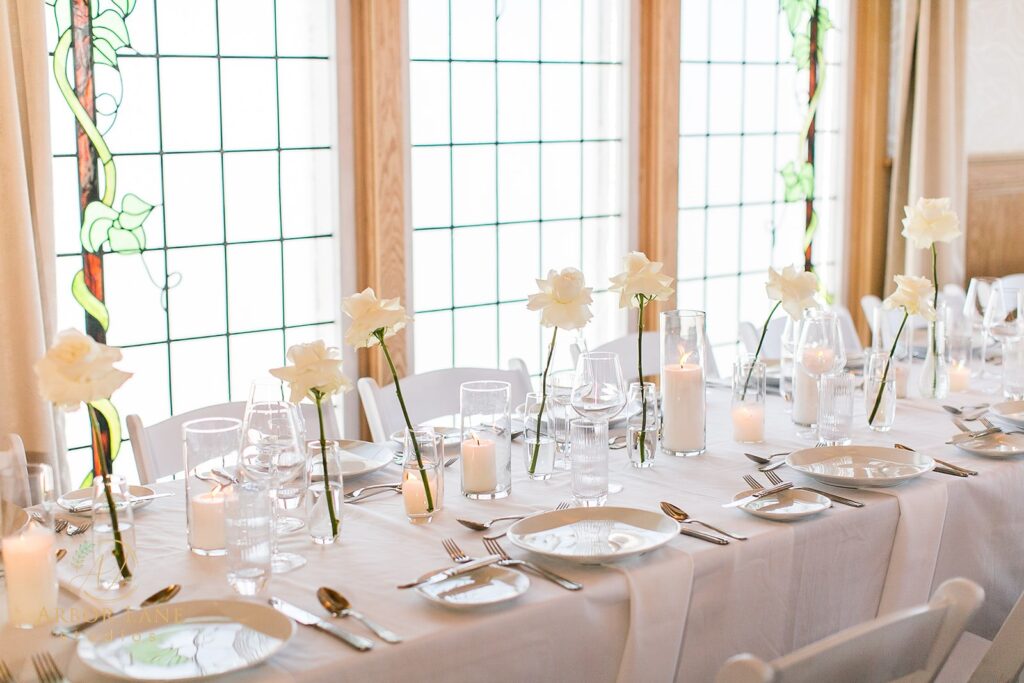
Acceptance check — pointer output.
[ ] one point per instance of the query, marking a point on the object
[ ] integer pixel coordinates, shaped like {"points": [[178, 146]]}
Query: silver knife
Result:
{"points": [[457, 570], [834, 497], [309, 619], [87, 504], [759, 494], [702, 536], [971, 436]]}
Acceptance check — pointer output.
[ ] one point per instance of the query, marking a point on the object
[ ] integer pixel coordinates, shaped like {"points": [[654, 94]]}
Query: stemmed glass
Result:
{"points": [[271, 452], [1004, 316], [820, 349], [599, 392], [980, 292], [289, 494]]}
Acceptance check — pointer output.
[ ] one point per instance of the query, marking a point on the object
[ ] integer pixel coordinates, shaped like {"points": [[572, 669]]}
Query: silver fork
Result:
{"points": [[74, 530], [754, 484], [776, 479], [5, 674], [46, 669], [60, 525], [564, 505], [494, 548]]}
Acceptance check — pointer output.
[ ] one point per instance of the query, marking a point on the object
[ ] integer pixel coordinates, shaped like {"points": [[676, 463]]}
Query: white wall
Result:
{"points": [[995, 76]]}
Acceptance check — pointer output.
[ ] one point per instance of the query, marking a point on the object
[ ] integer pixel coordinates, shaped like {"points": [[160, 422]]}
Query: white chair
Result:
{"points": [[750, 334], [428, 396], [157, 448], [848, 331], [1016, 280], [14, 471], [910, 646], [978, 661], [626, 348]]}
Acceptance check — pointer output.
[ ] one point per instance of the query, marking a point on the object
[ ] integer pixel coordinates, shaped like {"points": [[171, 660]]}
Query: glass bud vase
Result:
{"points": [[880, 391], [113, 535], [642, 424], [325, 493], [934, 379], [422, 477], [537, 435]]}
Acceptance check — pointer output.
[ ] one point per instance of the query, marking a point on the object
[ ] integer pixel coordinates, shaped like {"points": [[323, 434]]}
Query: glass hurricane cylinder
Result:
{"points": [[113, 542], [684, 358], [207, 443], [589, 462], [539, 453], [486, 462], [642, 424], [880, 375], [749, 389], [326, 492], [28, 558], [422, 475], [934, 379]]}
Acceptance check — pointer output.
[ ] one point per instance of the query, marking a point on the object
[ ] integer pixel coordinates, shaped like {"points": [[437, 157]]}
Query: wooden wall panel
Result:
{"points": [[995, 215]]}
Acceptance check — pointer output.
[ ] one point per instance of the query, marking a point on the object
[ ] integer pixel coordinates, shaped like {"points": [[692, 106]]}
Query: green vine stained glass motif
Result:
{"points": [[808, 22], [92, 33]]}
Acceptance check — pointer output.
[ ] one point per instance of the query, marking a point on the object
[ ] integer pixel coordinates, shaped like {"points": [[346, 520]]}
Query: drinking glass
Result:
{"points": [[749, 389], [1004, 319], [271, 452], [835, 410], [290, 490], [684, 404], [879, 374], [486, 462], [207, 443], [113, 540], [540, 445], [642, 424], [979, 294], [248, 535], [422, 476], [560, 413], [599, 392], [29, 560], [326, 491], [1013, 369], [589, 462], [819, 352]]}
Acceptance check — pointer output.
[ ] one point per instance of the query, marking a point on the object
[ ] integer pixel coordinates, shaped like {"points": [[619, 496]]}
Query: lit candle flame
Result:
{"points": [[684, 356]]}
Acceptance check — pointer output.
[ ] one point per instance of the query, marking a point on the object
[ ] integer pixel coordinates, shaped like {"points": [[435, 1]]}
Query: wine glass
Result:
{"points": [[979, 293], [1004, 316], [820, 349], [289, 494], [271, 452], [599, 392]]}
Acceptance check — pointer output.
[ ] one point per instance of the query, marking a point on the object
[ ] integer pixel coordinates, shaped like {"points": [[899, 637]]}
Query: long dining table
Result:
{"points": [[674, 614]]}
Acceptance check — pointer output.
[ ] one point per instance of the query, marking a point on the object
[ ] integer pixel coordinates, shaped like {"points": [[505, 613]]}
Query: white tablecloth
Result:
{"points": [[675, 614]]}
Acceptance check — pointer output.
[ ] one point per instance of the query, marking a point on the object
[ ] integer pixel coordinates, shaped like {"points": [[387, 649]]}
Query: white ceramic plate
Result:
{"points": [[1011, 411], [593, 535], [860, 466], [185, 641], [786, 506], [486, 586], [451, 435], [12, 518], [79, 495], [359, 458], [995, 446]]}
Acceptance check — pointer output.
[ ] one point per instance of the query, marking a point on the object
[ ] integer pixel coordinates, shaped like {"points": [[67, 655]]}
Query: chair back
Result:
{"points": [[1016, 280], [1004, 660], [157, 448], [848, 331], [14, 472], [910, 646], [428, 396], [750, 334], [625, 347]]}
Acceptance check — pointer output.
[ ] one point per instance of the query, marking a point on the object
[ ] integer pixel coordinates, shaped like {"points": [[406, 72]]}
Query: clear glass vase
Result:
{"points": [[880, 376], [934, 379], [749, 389], [325, 493], [539, 453], [422, 476], [642, 424], [684, 404], [113, 534]]}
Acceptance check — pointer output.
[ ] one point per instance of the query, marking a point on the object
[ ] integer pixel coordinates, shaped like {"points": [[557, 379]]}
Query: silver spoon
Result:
{"points": [[773, 466], [682, 517], [764, 459], [484, 526], [339, 606]]}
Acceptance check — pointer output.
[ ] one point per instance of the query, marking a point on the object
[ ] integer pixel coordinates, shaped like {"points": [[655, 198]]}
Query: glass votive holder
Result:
{"points": [[749, 388], [537, 436], [325, 495], [880, 391], [422, 475], [589, 462], [1013, 369], [248, 536], [642, 424], [486, 462], [835, 408], [959, 349], [207, 443]]}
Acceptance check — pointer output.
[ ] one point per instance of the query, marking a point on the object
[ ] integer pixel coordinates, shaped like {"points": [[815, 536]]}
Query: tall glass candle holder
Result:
{"points": [[819, 352], [207, 443], [486, 462], [422, 476], [684, 358], [749, 387], [28, 558]]}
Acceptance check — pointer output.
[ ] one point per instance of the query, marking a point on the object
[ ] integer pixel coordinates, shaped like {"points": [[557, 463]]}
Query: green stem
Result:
{"points": [[935, 305], [119, 557], [543, 400], [60, 65], [760, 343], [640, 370], [885, 371], [318, 397], [379, 334]]}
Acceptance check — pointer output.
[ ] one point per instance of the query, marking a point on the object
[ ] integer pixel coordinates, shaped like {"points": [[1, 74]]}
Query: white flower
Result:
{"points": [[930, 221], [641, 276], [794, 288], [370, 314], [913, 294], [314, 367], [77, 369], [563, 300]]}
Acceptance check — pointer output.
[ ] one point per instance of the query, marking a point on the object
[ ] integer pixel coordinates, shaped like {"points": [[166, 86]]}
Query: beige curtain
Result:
{"points": [[928, 159], [27, 258]]}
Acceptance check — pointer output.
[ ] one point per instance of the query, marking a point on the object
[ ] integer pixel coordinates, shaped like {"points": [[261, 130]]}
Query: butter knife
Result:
{"points": [[946, 470], [449, 572], [87, 504], [309, 619], [702, 536], [759, 494]]}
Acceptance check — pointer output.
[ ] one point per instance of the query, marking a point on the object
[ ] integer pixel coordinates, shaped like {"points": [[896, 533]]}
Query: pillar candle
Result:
{"points": [[902, 377], [414, 495], [818, 360], [479, 468], [805, 397], [959, 377], [748, 422], [31, 568], [206, 523], [683, 408]]}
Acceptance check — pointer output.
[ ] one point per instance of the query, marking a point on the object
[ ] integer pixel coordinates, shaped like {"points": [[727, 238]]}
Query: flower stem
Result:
{"points": [[318, 397], [885, 371], [641, 299], [760, 343], [119, 556], [935, 305], [543, 400], [379, 334]]}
